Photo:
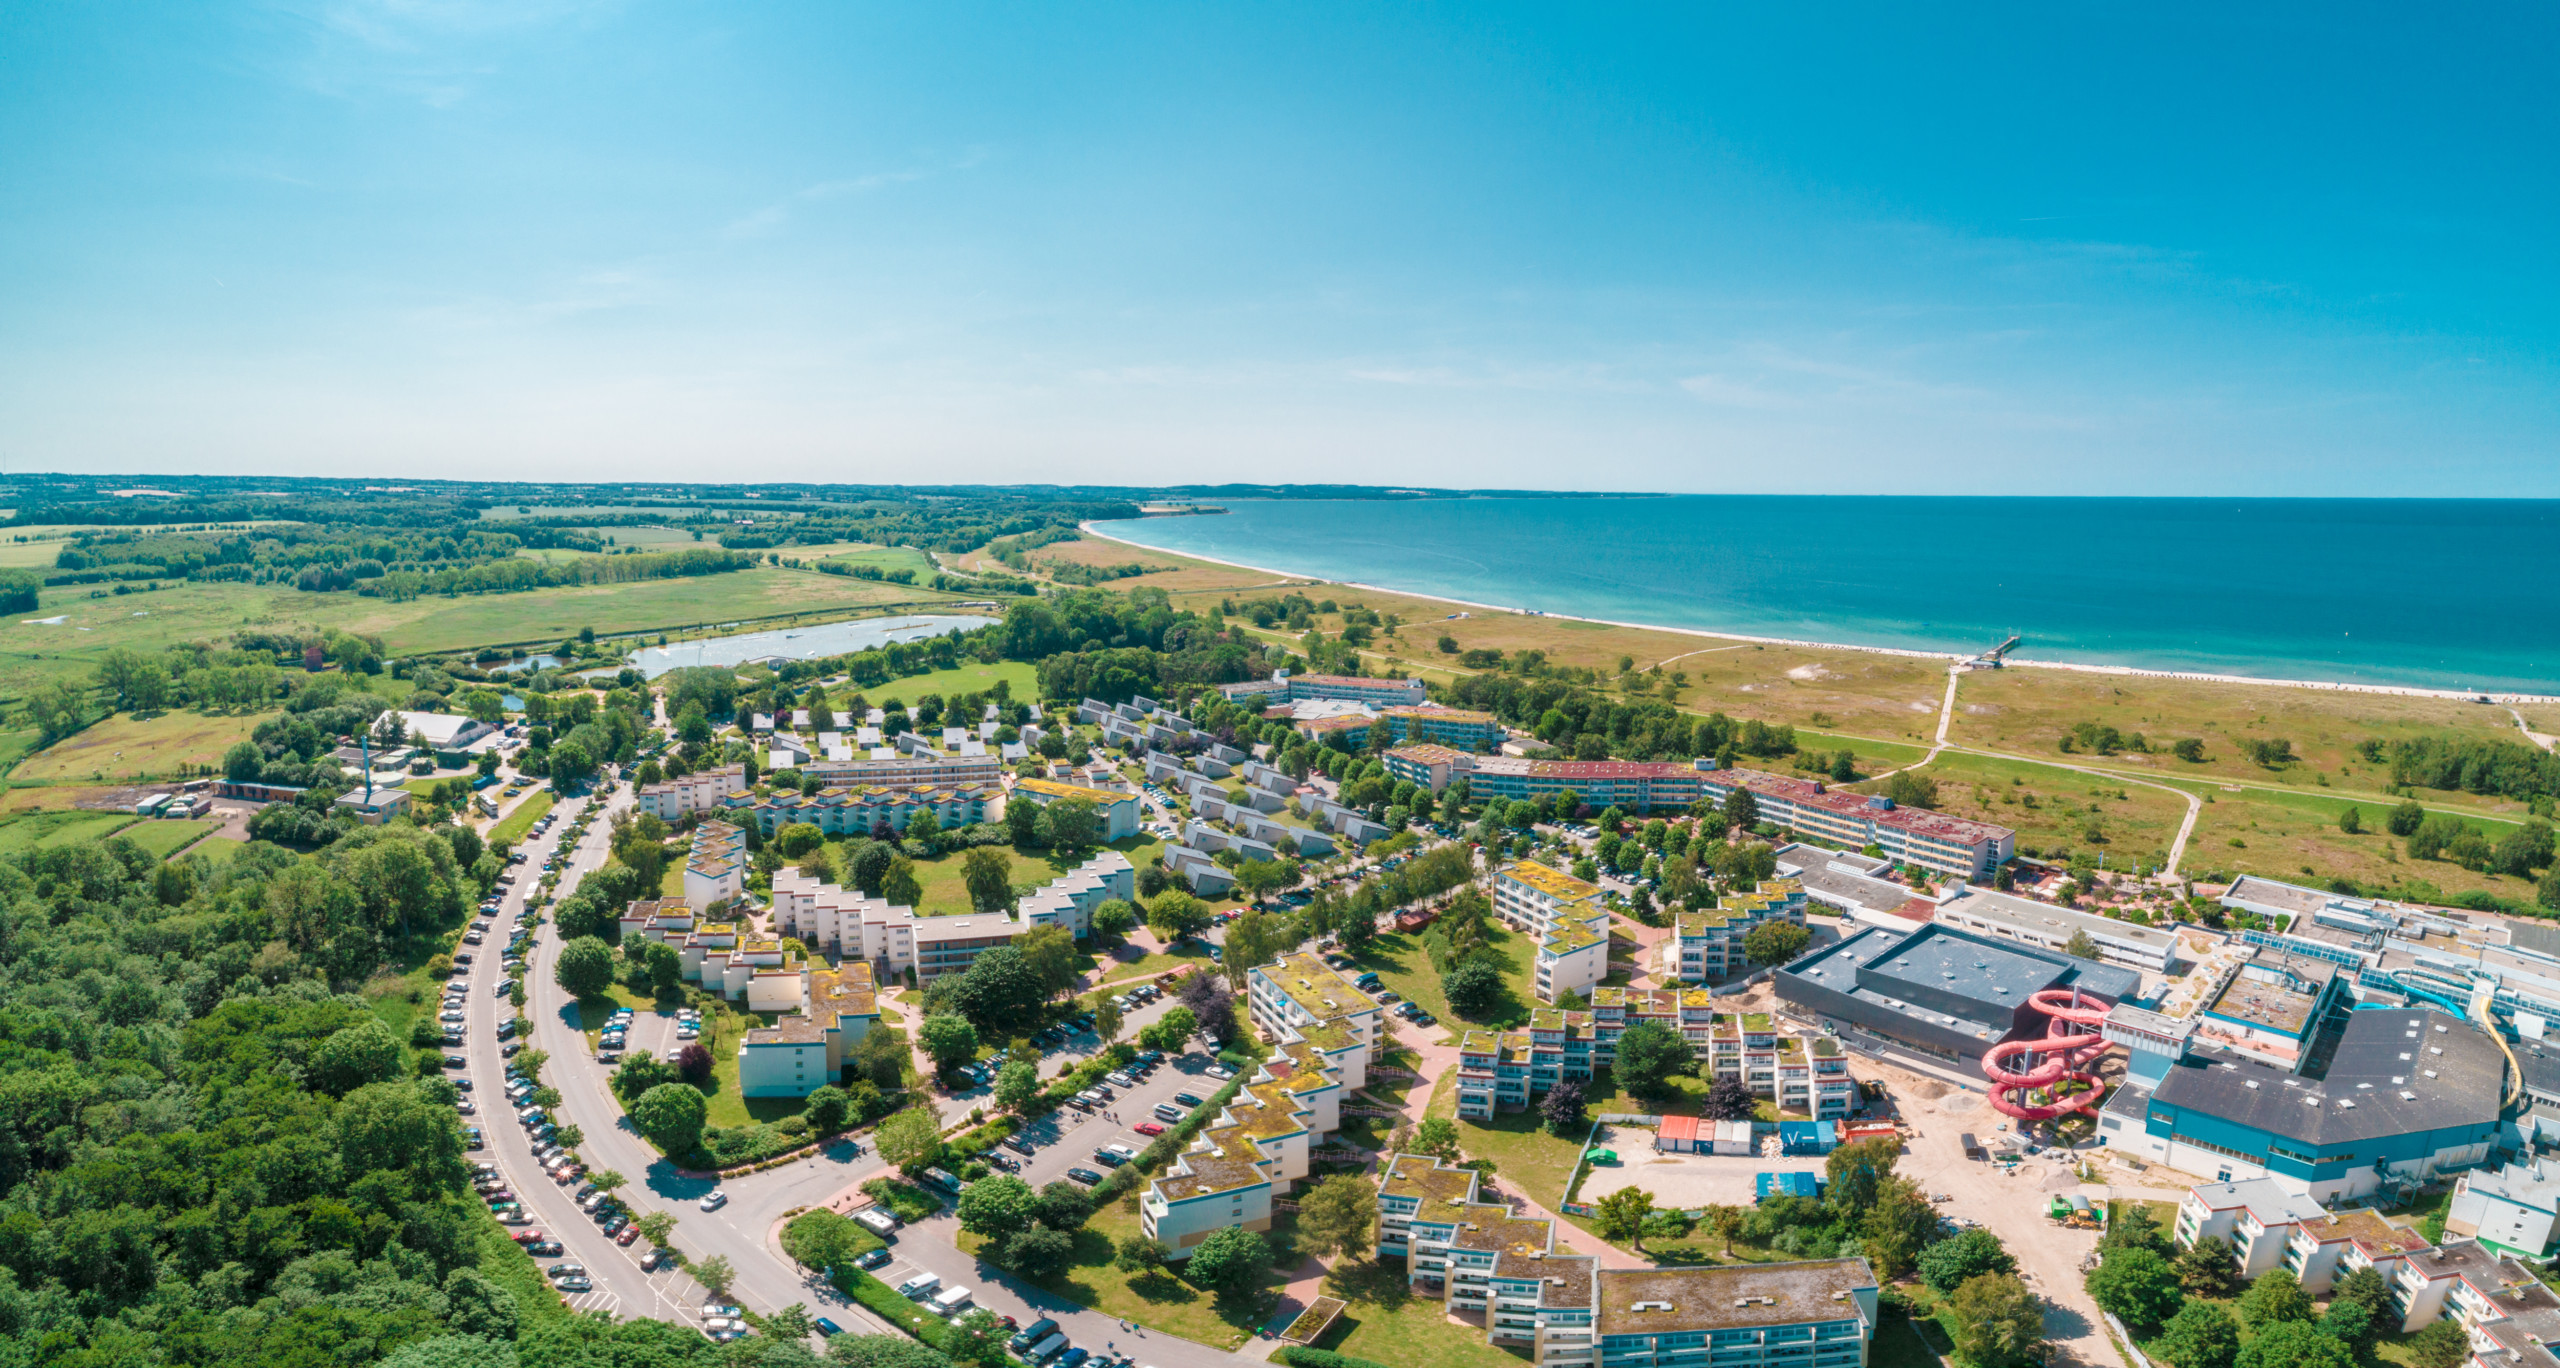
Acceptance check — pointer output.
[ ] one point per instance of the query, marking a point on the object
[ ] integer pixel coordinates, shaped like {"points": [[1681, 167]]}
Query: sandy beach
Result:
{"points": [[1953, 659]]}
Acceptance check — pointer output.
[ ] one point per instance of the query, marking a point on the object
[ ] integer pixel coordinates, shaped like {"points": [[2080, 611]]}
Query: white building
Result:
{"points": [[2256, 1218], [896, 939], [680, 797], [2510, 1210], [1992, 913]]}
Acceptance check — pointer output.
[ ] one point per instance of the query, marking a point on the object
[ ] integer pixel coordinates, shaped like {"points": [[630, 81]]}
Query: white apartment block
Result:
{"points": [[2256, 1218], [1565, 915], [2511, 1210], [715, 870], [896, 939], [1257, 1147], [679, 798], [1568, 1312]]}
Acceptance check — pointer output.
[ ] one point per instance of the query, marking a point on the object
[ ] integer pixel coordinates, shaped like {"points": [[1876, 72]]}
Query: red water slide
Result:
{"points": [[2067, 1053]]}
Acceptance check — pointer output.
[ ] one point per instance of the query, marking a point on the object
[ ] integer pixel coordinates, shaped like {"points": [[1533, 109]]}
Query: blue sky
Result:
{"points": [[2106, 249]]}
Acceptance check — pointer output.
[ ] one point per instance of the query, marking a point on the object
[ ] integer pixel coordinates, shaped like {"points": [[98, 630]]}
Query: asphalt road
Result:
{"points": [[747, 1230], [620, 1286]]}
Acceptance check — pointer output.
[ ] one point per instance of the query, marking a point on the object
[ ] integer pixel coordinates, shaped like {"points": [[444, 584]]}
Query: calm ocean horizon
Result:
{"points": [[2439, 594]]}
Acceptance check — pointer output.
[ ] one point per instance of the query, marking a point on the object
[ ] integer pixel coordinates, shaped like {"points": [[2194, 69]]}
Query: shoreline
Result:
{"points": [[1953, 659]]}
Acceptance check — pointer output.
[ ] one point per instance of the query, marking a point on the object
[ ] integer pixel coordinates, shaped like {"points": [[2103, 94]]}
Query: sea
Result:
{"points": [[2420, 593]]}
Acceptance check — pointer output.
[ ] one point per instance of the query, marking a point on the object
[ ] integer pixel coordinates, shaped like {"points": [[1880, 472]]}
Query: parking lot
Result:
{"points": [[1682, 1182], [1068, 1137]]}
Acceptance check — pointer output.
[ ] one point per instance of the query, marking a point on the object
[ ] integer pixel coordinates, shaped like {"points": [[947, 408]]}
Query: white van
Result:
{"points": [[920, 1286], [950, 1301]]}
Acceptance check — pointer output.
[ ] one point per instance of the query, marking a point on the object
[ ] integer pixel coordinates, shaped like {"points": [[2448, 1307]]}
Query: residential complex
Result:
{"points": [[1707, 945], [2510, 1209], [1324, 1033], [908, 771], [867, 811], [898, 939], [725, 957], [806, 1049], [1480, 1256], [1118, 813], [1283, 686], [1565, 917], [1955, 846], [1635, 785], [681, 797], [1507, 1070]]}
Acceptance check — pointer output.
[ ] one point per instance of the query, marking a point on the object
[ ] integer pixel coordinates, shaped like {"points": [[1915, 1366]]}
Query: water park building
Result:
{"points": [[1944, 993]]}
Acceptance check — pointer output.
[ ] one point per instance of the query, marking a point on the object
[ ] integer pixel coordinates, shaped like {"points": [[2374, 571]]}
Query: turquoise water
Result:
{"points": [[2454, 594]]}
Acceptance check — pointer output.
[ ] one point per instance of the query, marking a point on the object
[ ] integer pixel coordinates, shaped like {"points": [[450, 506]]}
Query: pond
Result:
{"points": [[802, 643], [536, 662]]}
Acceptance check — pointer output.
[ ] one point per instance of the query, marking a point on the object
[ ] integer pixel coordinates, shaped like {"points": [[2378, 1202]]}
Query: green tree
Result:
{"points": [[1856, 1173], [1775, 942], [1071, 825], [911, 1139], [1113, 920], [949, 1041], [1232, 1261], [585, 967], [1040, 1253], [989, 877], [997, 1206], [715, 1275], [883, 1351], [2208, 1268], [1959, 1259], [1898, 1226], [1998, 1322], [1022, 823], [1106, 1020], [1174, 914], [1649, 1056], [1138, 1255], [1437, 1135], [659, 1227], [2441, 1345], [366, 1052], [2351, 821], [978, 1337], [1741, 810], [898, 885], [1337, 1216], [1064, 1206], [672, 1115], [2080, 946], [1049, 952], [881, 1057], [2134, 1227], [2294, 1344], [2407, 818], [2366, 1287], [2137, 1286], [2273, 1297], [1171, 1031], [1474, 990], [1621, 1215], [828, 1109], [2201, 1335], [1017, 1087]]}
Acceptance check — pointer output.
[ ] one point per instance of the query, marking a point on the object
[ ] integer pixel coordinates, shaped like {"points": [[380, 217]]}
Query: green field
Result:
{"points": [[45, 830], [124, 746], [166, 838], [885, 557], [512, 828], [1022, 679]]}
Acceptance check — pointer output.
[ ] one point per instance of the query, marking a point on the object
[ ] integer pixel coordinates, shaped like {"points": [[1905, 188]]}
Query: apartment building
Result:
{"points": [[805, 1050], [1458, 727], [1568, 1312], [1565, 915], [1507, 1070], [1283, 686], [928, 770], [2510, 1209], [692, 793], [1635, 785], [1954, 846], [2256, 1218], [897, 939], [1118, 812], [1324, 1032], [2509, 1317], [1707, 945], [866, 811], [715, 869]]}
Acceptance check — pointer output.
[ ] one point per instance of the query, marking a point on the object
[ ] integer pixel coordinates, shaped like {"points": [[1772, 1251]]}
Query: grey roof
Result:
{"points": [[1947, 960], [2540, 1061], [2533, 936], [2390, 1095], [2046, 919]]}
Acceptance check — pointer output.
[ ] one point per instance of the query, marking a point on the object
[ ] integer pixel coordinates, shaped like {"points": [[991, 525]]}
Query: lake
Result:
{"points": [[801, 643]]}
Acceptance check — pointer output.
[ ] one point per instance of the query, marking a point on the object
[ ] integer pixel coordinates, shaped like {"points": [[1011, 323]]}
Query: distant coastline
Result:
{"points": [[1951, 658]]}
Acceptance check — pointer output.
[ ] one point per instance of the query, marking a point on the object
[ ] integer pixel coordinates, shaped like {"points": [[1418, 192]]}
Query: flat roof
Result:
{"points": [[1555, 883], [2377, 1085], [2046, 919], [1737, 1296]]}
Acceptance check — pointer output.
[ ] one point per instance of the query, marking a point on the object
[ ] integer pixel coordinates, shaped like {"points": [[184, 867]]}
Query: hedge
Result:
{"points": [[1318, 1358]]}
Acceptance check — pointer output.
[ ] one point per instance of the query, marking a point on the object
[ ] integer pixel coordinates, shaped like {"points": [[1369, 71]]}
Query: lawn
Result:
{"points": [[167, 838], [1404, 966], [2051, 808], [946, 892], [1161, 1300], [1155, 962], [44, 830], [123, 746], [1022, 683], [1385, 1323], [512, 828]]}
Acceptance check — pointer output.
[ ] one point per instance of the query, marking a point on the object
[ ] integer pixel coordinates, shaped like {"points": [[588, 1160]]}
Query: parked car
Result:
{"points": [[1085, 1176], [1148, 1128], [878, 1258], [1017, 1144], [715, 1199]]}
